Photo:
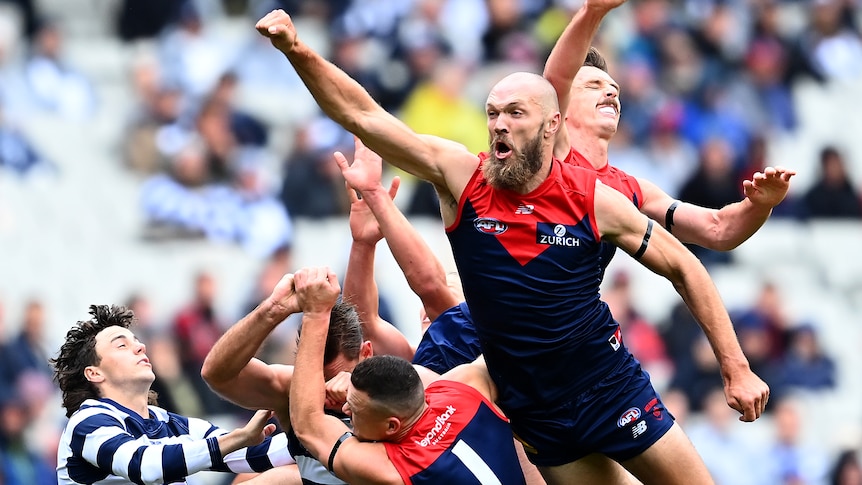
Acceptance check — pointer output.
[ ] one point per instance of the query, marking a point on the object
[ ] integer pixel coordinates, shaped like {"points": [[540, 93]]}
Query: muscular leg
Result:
{"points": [[592, 469], [672, 460]]}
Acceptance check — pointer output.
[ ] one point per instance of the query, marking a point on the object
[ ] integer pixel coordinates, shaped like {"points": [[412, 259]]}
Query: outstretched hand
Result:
{"points": [[317, 289], [363, 224], [746, 393], [279, 29], [257, 428], [768, 188], [366, 171]]}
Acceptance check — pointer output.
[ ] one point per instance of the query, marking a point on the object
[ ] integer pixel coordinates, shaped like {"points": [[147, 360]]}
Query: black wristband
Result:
{"points": [[668, 217], [335, 448], [645, 241]]}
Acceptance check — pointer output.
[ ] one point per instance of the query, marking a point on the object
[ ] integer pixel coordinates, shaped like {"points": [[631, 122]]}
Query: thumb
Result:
{"points": [[341, 161]]}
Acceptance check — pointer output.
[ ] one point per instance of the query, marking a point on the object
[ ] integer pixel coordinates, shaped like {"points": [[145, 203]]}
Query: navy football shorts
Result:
{"points": [[620, 417]]}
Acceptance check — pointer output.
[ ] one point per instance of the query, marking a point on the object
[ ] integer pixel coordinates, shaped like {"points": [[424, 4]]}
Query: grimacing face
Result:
{"points": [[594, 103], [367, 423], [516, 130]]}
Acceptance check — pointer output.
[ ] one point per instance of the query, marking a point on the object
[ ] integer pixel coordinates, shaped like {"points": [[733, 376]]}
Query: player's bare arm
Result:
{"points": [[230, 367], [719, 229], [620, 223], [345, 101], [568, 55], [417, 261], [360, 287], [326, 437]]}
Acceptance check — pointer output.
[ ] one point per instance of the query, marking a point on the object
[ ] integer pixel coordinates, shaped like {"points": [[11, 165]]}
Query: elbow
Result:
{"points": [[211, 375], [208, 372]]}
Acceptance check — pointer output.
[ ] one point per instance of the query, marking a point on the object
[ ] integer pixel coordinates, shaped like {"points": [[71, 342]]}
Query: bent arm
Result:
{"points": [[353, 462], [720, 229], [233, 372], [620, 223]]}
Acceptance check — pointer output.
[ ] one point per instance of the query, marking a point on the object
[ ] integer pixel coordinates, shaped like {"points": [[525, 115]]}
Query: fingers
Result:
{"points": [[341, 161], [393, 187]]}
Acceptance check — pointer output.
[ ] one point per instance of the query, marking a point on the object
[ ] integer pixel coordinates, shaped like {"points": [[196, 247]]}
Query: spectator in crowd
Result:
{"points": [[806, 365], [833, 47], [792, 460], [731, 458], [846, 469], [26, 351], [313, 186], [196, 328], [833, 195], [768, 310], [193, 57], [20, 464], [17, 154], [144, 19], [55, 86]]}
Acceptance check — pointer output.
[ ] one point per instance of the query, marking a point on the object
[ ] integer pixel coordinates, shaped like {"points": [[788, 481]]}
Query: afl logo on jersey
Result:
{"points": [[491, 226], [631, 415]]}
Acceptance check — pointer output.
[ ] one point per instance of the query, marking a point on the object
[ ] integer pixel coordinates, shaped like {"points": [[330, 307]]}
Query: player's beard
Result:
{"points": [[515, 171]]}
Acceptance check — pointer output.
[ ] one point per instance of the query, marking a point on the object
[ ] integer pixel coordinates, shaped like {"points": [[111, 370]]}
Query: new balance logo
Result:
{"points": [[525, 209]]}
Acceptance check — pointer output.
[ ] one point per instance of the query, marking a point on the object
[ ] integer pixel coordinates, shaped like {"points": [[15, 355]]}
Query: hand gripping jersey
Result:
{"points": [[531, 272], [459, 439], [107, 443], [616, 179]]}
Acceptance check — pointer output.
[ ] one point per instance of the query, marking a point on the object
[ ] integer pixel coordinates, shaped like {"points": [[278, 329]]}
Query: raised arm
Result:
{"points": [[421, 268], [719, 229], [326, 437], [350, 105], [230, 367], [360, 288], [568, 55], [620, 223]]}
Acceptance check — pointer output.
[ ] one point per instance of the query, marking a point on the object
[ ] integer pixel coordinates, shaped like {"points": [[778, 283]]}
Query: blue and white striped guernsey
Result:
{"points": [[107, 443]]}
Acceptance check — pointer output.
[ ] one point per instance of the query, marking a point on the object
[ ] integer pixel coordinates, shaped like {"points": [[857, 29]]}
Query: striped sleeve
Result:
{"points": [[102, 440], [271, 453]]}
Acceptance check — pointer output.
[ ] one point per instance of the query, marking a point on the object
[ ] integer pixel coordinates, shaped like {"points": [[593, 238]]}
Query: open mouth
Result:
{"points": [[502, 149]]}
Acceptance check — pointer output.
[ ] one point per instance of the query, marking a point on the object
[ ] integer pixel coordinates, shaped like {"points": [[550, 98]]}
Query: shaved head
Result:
{"points": [[531, 87]]}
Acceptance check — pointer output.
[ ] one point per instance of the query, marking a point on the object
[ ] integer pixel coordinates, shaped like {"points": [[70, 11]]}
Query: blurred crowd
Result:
{"points": [[705, 85]]}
